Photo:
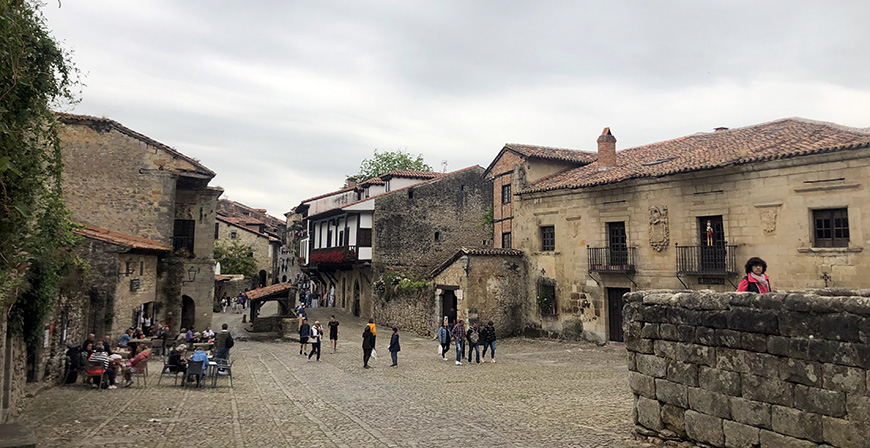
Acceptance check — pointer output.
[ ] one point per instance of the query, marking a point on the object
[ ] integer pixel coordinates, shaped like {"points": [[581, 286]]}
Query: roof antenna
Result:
{"points": [[443, 166]]}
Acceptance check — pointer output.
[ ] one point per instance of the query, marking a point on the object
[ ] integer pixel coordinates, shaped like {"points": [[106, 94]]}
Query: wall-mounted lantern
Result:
{"points": [[464, 259], [191, 275]]}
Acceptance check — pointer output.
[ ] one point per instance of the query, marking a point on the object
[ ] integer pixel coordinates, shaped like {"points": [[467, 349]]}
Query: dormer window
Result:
{"points": [[410, 194], [367, 192]]}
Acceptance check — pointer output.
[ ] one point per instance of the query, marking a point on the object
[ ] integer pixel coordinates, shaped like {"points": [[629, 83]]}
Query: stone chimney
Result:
{"points": [[351, 182], [606, 150]]}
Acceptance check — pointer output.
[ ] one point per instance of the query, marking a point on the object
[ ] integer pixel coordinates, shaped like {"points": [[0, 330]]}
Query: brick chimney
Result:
{"points": [[606, 150], [351, 182]]}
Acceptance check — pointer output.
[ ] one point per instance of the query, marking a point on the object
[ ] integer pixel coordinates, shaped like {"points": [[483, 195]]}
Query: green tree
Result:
{"points": [[236, 259], [36, 237], [386, 161]]}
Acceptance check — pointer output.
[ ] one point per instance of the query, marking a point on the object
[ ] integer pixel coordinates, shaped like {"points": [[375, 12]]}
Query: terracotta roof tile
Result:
{"points": [[785, 138], [86, 120], [484, 251], [120, 239], [412, 174], [270, 290], [546, 152]]}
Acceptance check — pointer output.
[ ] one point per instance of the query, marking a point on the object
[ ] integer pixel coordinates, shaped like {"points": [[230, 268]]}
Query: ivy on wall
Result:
{"points": [[37, 243]]}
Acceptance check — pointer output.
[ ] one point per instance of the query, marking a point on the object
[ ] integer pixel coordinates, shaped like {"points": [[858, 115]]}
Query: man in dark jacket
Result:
{"points": [[394, 347], [487, 336], [222, 341], [304, 334], [473, 338]]}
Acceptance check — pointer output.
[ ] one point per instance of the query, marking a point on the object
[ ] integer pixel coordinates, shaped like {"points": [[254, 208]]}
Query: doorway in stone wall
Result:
{"points": [[614, 313], [448, 305], [262, 281], [188, 312]]}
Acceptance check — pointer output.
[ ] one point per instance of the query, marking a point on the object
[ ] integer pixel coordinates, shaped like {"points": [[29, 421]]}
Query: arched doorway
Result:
{"points": [[356, 298], [188, 312], [283, 279], [262, 279]]}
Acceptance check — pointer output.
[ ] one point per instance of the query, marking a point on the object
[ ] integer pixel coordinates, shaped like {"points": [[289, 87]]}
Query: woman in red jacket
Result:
{"points": [[756, 280]]}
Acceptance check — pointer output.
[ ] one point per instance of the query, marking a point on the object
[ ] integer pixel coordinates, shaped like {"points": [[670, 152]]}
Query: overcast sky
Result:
{"points": [[284, 98]]}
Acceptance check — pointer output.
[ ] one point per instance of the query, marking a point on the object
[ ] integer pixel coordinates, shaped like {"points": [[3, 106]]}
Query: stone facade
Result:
{"points": [[750, 370], [417, 228], [123, 181], [263, 250]]}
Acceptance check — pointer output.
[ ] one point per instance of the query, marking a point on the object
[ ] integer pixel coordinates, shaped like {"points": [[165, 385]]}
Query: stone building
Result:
{"points": [[120, 180], [249, 232], [404, 222], [687, 213]]}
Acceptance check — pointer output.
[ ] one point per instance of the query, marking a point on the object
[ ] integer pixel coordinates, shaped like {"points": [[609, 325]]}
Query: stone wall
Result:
{"points": [[411, 311], [747, 370], [259, 244]]}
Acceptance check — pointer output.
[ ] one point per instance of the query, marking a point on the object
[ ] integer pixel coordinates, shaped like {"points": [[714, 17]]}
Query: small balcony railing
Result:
{"points": [[606, 259], [333, 255], [707, 260]]}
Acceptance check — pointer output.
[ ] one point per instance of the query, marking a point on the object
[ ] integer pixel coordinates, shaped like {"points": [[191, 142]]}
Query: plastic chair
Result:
{"points": [[223, 368], [194, 368], [143, 373], [167, 370], [95, 366]]}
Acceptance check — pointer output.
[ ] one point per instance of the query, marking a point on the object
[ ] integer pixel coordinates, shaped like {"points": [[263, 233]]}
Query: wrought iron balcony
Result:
{"points": [[605, 259], [707, 260]]}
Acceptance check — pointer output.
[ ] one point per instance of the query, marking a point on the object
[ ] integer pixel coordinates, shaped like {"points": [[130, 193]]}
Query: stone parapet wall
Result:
{"points": [[745, 370], [412, 311]]}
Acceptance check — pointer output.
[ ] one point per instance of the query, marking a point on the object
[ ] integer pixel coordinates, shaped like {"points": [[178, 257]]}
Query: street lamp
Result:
{"points": [[191, 274]]}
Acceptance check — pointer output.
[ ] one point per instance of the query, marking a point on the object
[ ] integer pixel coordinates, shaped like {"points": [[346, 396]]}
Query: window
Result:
{"points": [[831, 227], [182, 238], [141, 268], [548, 238], [233, 235], [364, 238], [217, 230], [410, 194], [437, 236], [547, 296], [387, 186], [367, 192], [506, 240], [506, 194]]}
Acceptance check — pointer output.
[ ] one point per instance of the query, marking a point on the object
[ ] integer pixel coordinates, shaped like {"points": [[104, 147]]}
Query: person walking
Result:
{"points": [[304, 334], [458, 335], [333, 333], [316, 336], [755, 280], [487, 335], [394, 347], [473, 338], [374, 338], [444, 339], [367, 346]]}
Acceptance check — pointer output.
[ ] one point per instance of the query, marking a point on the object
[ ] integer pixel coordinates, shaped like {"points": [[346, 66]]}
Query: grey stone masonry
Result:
{"points": [[738, 369]]}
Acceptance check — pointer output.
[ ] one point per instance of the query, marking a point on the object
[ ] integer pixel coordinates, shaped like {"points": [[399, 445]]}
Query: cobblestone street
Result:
{"points": [[539, 393]]}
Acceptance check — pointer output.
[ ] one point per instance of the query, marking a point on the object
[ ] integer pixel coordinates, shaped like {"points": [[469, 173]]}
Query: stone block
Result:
{"points": [[753, 413], [839, 327], [732, 360], [674, 419], [631, 359], [820, 401], [800, 371], [650, 330], [773, 440], [710, 403], [652, 365], [845, 379], [677, 316], [728, 338], [686, 333], [769, 301], [798, 324], [738, 435], [648, 413], [740, 299], [862, 354], [796, 423], [642, 385], [762, 364], [721, 381], [665, 349], [714, 319], [705, 336], [668, 332], [864, 330], [768, 390], [672, 393], [638, 345], [653, 313], [842, 353], [777, 345], [696, 354], [683, 373], [858, 408], [755, 342], [704, 428], [799, 348], [857, 305], [845, 433], [667, 298], [752, 320]]}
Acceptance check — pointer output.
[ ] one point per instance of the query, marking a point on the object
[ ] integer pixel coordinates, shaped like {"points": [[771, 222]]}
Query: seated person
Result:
{"points": [[100, 356], [182, 336], [137, 364], [85, 354], [176, 363], [125, 338], [208, 334], [200, 355], [190, 336], [107, 344], [197, 337]]}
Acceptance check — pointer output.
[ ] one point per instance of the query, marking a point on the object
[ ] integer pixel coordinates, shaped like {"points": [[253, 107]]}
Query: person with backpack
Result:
{"points": [[473, 338], [316, 337], [223, 341], [755, 280], [487, 335], [304, 334]]}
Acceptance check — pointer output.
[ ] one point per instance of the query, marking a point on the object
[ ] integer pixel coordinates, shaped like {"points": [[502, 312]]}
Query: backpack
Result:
{"points": [[230, 341], [473, 336]]}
